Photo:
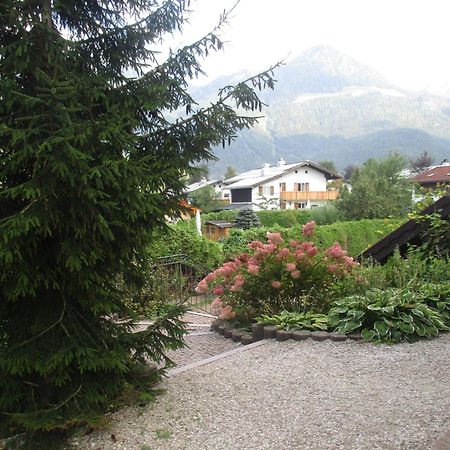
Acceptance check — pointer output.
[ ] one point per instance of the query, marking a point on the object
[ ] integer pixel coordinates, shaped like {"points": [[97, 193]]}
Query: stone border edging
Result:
{"points": [[260, 332]]}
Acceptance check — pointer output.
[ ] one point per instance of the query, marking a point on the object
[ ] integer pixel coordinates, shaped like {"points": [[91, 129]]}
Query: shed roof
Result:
{"points": [[408, 233], [220, 223]]}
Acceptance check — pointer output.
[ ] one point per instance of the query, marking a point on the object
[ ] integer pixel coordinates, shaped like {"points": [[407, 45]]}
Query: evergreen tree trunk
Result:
{"points": [[89, 167]]}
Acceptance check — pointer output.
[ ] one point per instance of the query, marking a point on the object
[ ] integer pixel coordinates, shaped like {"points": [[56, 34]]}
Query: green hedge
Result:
{"points": [[184, 239], [354, 236], [286, 218]]}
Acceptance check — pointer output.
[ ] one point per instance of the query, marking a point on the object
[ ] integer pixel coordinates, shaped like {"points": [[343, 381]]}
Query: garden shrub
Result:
{"points": [[284, 218], [390, 315], [324, 215], [354, 236], [304, 320], [277, 275], [247, 219], [183, 239]]}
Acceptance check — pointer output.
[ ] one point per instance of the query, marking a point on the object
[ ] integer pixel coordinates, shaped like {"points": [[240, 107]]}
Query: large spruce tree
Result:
{"points": [[90, 164]]}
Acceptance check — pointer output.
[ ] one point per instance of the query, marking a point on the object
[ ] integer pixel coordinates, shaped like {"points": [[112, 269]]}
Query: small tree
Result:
{"points": [[91, 162], [378, 191], [205, 198], [246, 219], [329, 165], [198, 172], [348, 171], [230, 172], [422, 162]]}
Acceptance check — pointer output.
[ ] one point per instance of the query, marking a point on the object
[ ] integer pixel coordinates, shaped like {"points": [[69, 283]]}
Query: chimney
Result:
{"points": [[281, 162], [265, 171]]}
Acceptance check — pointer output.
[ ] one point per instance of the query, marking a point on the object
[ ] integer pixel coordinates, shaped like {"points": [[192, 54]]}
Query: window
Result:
{"points": [[266, 190], [210, 229], [300, 205], [301, 187], [282, 187]]}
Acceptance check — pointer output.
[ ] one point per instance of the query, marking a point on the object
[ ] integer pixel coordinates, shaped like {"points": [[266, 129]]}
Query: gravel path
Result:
{"points": [[297, 395], [201, 346]]}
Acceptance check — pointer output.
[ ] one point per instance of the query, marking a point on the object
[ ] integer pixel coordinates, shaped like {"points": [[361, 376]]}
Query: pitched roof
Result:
{"points": [[408, 233], [255, 177], [220, 223], [436, 174], [200, 184]]}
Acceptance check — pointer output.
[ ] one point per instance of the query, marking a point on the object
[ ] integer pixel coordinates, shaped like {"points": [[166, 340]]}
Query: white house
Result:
{"points": [[284, 186]]}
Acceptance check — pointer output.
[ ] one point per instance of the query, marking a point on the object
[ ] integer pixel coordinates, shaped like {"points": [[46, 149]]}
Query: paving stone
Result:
{"points": [[320, 335], [270, 332], [236, 336], [246, 339], [222, 329], [301, 335], [227, 333], [354, 337], [337, 336], [257, 331], [215, 324], [283, 335]]}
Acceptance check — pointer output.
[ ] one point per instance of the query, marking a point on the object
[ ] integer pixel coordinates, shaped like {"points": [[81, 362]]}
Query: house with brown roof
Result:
{"points": [[434, 177]]}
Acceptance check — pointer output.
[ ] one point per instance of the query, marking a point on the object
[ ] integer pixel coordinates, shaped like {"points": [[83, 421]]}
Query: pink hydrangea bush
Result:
{"points": [[273, 273]]}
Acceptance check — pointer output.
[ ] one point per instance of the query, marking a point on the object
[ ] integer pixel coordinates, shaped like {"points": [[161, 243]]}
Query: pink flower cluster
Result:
{"points": [[269, 269], [309, 229], [340, 263]]}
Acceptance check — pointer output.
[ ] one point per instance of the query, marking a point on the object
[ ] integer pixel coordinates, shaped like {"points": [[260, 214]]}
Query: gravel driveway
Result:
{"points": [[297, 395]]}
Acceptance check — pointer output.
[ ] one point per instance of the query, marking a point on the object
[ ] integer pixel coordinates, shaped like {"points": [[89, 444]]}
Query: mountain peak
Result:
{"points": [[324, 69]]}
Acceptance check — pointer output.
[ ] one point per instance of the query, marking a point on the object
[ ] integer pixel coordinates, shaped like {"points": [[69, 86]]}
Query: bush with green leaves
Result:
{"points": [[182, 239], [391, 315], [274, 275], [437, 296], [286, 218], [305, 320], [246, 219], [324, 215], [353, 236]]}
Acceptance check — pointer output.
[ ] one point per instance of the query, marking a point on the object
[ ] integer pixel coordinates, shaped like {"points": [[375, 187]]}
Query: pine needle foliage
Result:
{"points": [[90, 165]]}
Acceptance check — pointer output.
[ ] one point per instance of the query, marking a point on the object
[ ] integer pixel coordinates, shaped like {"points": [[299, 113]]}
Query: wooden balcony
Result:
{"points": [[308, 195]]}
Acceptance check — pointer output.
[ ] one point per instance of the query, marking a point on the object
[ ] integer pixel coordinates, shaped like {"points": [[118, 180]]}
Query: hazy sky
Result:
{"points": [[407, 41]]}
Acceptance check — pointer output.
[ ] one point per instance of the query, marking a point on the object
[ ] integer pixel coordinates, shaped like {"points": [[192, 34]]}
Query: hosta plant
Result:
{"points": [[390, 315], [306, 320], [437, 296], [275, 274]]}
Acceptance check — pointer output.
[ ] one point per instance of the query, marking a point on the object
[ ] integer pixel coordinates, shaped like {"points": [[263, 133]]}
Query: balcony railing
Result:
{"points": [[308, 195]]}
